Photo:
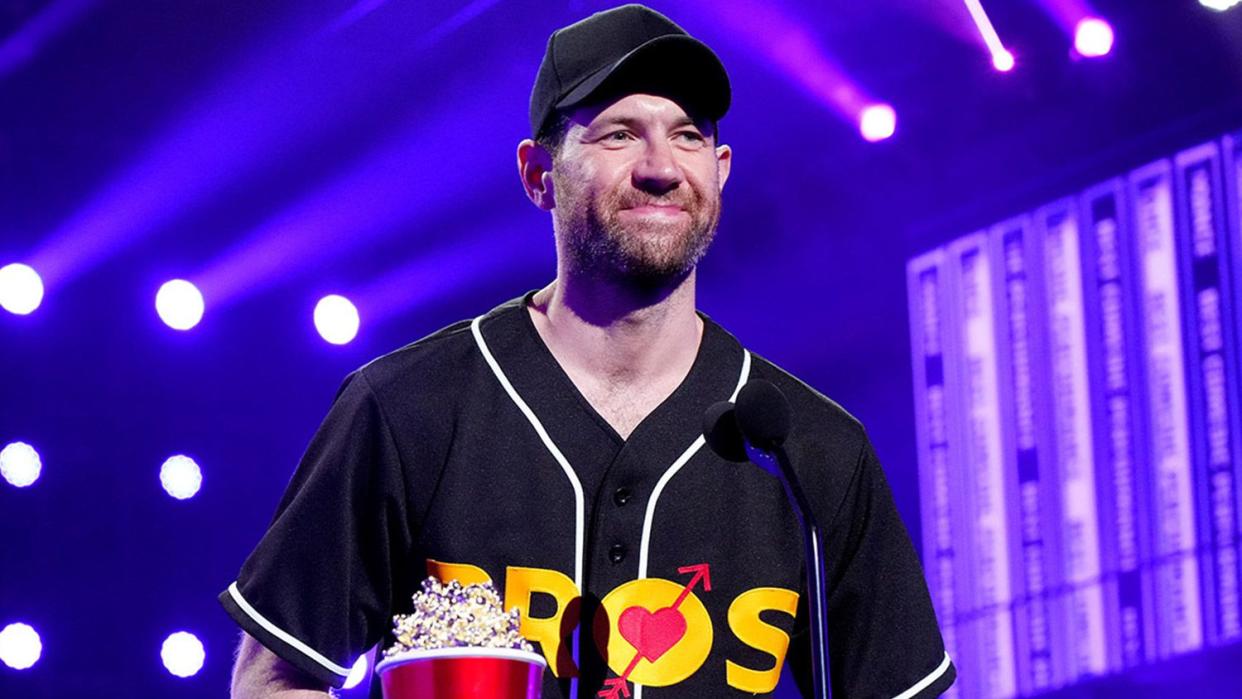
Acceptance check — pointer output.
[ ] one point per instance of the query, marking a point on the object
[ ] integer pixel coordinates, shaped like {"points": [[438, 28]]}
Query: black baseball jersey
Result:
{"points": [[647, 561]]}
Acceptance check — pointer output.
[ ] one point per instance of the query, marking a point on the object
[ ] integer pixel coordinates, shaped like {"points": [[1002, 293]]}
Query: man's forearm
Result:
{"points": [[261, 674]]}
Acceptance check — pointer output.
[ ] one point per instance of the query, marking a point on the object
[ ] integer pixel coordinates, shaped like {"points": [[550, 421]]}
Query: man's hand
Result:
{"points": [[261, 674]]}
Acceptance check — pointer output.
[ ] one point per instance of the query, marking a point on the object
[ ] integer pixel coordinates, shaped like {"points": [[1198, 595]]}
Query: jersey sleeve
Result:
{"points": [[318, 589], [883, 637]]}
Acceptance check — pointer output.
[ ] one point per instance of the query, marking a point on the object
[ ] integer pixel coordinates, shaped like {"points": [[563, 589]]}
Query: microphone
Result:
{"points": [[763, 415], [755, 430], [722, 433]]}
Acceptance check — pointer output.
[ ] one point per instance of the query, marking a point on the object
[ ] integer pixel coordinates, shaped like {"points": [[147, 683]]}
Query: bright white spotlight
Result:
{"points": [[20, 646], [1003, 60], [183, 654], [336, 319], [181, 477], [1219, 5], [20, 464], [356, 673], [21, 289], [1093, 37], [877, 122], [180, 304]]}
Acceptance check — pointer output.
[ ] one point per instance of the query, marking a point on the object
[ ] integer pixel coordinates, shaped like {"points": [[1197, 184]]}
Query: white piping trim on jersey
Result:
{"points": [[579, 504], [282, 634], [672, 470], [926, 681], [579, 501], [645, 545]]}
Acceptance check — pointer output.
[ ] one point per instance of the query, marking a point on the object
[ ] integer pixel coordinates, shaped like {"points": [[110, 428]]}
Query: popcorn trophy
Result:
{"points": [[459, 643]]}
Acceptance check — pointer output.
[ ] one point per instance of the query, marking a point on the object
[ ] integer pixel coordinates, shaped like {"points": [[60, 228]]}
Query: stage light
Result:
{"points": [[20, 646], [21, 289], [181, 477], [336, 319], [357, 673], [180, 304], [1093, 37], [787, 41], [877, 122], [183, 654], [1220, 5], [1003, 61], [20, 464]]}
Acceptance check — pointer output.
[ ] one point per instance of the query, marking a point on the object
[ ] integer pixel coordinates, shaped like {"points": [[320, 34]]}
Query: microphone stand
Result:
{"points": [[776, 462]]}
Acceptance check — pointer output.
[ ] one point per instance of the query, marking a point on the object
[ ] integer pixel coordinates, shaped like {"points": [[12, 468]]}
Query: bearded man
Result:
{"points": [[554, 445]]}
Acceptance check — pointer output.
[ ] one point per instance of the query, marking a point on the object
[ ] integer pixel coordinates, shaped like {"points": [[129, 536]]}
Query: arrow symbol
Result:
{"points": [[619, 686], [703, 572]]}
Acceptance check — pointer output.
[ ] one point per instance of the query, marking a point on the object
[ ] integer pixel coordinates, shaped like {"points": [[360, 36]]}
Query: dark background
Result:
{"points": [[310, 147]]}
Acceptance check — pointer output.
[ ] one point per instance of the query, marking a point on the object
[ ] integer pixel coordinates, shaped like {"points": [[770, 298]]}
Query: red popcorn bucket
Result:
{"points": [[462, 673]]}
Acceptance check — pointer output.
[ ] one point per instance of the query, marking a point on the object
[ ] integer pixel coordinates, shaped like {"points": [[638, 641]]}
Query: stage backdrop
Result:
{"points": [[1076, 382]]}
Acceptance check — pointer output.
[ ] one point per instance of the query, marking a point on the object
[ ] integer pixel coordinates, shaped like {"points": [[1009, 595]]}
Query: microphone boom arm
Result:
{"points": [[776, 462]]}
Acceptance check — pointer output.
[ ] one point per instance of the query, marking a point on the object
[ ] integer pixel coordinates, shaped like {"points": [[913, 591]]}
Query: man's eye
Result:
{"points": [[618, 136], [694, 136]]}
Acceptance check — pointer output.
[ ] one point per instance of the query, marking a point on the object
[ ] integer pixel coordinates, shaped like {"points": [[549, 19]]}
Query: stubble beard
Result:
{"points": [[650, 252]]}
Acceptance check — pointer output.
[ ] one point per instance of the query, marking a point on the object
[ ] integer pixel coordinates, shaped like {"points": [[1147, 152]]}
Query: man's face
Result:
{"points": [[637, 189]]}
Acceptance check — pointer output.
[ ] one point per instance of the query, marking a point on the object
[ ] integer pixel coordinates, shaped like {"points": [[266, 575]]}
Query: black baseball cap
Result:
{"points": [[626, 50]]}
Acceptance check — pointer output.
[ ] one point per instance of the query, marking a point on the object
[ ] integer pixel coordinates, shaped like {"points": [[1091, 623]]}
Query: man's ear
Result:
{"points": [[724, 163], [535, 168]]}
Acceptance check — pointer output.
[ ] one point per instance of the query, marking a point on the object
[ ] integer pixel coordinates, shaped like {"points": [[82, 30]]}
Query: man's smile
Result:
{"points": [[654, 210]]}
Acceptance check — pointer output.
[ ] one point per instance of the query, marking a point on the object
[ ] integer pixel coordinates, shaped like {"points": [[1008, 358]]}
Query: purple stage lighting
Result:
{"points": [[336, 319], [1093, 38], [21, 289], [54, 18], [265, 108], [183, 654], [252, 116], [20, 464], [180, 304], [20, 646], [786, 44], [877, 122], [363, 8], [1003, 61], [358, 672], [389, 191], [181, 477], [448, 270]]}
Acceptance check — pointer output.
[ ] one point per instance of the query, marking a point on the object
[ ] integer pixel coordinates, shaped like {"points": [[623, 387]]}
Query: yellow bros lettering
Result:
{"points": [[463, 573], [659, 626], [551, 632], [520, 584], [745, 623]]}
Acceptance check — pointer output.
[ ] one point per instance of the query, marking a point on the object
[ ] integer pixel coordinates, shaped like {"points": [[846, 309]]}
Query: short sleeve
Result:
{"points": [[318, 589], [883, 637]]}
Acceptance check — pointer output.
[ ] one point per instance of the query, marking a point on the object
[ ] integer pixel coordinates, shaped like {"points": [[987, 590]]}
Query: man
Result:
{"points": [[554, 444]]}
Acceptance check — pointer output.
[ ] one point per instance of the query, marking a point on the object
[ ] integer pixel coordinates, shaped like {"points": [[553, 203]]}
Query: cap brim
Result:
{"points": [[676, 66]]}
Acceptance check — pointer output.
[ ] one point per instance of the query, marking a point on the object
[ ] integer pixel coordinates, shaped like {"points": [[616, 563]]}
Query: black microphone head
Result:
{"points": [[763, 414], [722, 434]]}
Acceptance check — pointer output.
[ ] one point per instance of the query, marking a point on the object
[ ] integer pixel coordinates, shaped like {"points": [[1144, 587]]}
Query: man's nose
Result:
{"points": [[657, 171]]}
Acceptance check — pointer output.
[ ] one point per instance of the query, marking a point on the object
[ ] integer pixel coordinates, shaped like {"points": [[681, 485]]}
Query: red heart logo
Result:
{"points": [[651, 634]]}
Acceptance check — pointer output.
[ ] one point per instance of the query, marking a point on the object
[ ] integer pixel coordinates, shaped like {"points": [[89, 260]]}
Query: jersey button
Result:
{"points": [[616, 554], [622, 496]]}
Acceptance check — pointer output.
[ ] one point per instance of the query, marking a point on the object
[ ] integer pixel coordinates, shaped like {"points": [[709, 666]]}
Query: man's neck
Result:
{"points": [[618, 334]]}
